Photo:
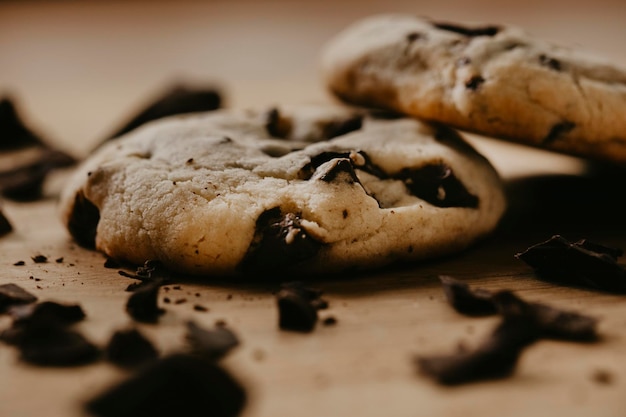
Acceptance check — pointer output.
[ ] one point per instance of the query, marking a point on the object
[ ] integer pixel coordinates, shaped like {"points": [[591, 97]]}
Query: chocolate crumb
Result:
{"points": [[180, 301], [211, 344], [198, 307], [474, 82], [130, 348], [582, 264], [295, 311], [603, 377], [166, 300], [12, 294], [19, 263], [549, 62], [176, 385], [329, 321], [39, 259]]}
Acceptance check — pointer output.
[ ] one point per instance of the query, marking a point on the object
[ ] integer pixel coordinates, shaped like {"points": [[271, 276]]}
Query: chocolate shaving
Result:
{"points": [[12, 294], [211, 344], [582, 264], [179, 99], [177, 385], [130, 349]]}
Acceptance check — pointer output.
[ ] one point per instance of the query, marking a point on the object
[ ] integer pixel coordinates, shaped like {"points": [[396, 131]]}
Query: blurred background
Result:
{"points": [[78, 69]]}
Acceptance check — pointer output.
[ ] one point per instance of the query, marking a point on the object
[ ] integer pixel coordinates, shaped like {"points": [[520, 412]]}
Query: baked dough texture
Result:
{"points": [[310, 188], [494, 80]]}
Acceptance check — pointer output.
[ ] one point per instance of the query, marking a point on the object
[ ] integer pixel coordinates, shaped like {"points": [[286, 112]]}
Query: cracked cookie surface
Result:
{"points": [[304, 188], [494, 80]]}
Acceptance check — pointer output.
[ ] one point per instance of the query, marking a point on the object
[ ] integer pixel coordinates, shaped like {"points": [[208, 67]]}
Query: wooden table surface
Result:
{"points": [[78, 69]]}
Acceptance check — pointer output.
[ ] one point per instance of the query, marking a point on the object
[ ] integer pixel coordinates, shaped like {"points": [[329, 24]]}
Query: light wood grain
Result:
{"points": [[79, 68]]}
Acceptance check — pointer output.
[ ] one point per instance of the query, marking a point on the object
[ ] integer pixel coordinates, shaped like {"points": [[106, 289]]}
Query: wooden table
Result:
{"points": [[77, 69]]}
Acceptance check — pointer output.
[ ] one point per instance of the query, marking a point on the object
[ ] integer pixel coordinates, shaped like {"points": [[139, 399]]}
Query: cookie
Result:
{"points": [[495, 80], [311, 189]]}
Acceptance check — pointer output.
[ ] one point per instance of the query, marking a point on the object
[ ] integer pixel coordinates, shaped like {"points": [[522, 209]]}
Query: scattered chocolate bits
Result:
{"points": [[211, 344], [12, 294], [582, 263], [130, 349], [176, 385], [5, 225], [179, 99], [142, 303], [297, 307]]}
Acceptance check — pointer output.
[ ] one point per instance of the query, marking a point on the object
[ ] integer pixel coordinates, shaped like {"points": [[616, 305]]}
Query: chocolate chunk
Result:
{"points": [[474, 82], [19, 263], [549, 62], [342, 127], [550, 322], [413, 36], [179, 99], [177, 385], [129, 349], [142, 303], [339, 168], [495, 358], [295, 311], [476, 302], [277, 125], [557, 131], [310, 294], [25, 182], [83, 222], [329, 321], [280, 241], [211, 344], [471, 32], [359, 160], [437, 184], [111, 263], [12, 294], [13, 132], [48, 312], [582, 264], [5, 225]]}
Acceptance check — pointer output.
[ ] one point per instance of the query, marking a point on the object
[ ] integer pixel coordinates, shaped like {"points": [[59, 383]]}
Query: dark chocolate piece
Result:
{"points": [[329, 321], [83, 222], [495, 358], [179, 99], [477, 302], [177, 385], [413, 36], [5, 225], [279, 242], [474, 82], [437, 184], [211, 344], [342, 127], [340, 168], [25, 182], [550, 322], [583, 264], [13, 132], [295, 311], [48, 312], [470, 32], [111, 263], [142, 303], [130, 349], [12, 294], [557, 131]]}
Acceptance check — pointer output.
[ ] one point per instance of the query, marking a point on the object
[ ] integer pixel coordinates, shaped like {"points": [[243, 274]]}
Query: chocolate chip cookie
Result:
{"points": [[311, 189], [494, 80]]}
